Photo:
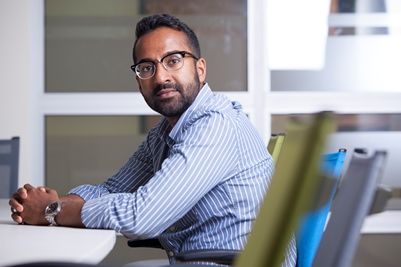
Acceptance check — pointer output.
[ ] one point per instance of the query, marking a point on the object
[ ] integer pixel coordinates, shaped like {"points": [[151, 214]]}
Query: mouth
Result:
{"points": [[166, 93]]}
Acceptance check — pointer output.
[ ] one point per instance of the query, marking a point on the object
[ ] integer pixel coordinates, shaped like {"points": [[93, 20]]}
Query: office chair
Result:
{"points": [[350, 207], [313, 223], [275, 145], [9, 156]]}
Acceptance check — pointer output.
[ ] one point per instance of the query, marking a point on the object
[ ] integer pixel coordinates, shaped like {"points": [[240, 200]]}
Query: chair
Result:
{"points": [[313, 223], [274, 147], [350, 207], [275, 144], [9, 155]]}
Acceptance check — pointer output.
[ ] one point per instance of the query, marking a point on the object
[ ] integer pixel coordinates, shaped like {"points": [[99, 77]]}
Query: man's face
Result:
{"points": [[169, 92]]}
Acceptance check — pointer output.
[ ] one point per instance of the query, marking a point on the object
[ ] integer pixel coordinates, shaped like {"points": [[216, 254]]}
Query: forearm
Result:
{"points": [[70, 214]]}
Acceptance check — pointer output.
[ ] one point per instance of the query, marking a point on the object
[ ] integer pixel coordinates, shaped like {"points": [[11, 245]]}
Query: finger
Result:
{"points": [[46, 189], [43, 189], [22, 193], [49, 190], [15, 205], [16, 218], [28, 187]]}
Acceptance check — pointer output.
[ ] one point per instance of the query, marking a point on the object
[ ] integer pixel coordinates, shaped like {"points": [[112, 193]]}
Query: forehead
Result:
{"points": [[160, 41]]}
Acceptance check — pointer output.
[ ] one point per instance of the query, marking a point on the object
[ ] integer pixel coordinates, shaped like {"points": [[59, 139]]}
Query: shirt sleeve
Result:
{"points": [[203, 156], [137, 171]]}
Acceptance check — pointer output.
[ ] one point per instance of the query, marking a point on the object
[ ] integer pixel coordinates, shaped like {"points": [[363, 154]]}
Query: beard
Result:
{"points": [[176, 106]]}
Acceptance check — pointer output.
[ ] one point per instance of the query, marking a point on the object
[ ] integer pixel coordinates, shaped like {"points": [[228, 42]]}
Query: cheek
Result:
{"points": [[144, 86], [187, 75]]}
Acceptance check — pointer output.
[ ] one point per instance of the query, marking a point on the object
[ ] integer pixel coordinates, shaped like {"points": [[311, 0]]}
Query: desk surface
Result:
{"points": [[387, 222], [25, 243]]}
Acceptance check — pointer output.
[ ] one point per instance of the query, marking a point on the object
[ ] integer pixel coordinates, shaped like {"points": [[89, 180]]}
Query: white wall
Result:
{"points": [[353, 63], [21, 77]]}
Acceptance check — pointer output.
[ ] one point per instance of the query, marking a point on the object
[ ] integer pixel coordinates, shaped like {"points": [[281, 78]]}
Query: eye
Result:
{"points": [[173, 60], [145, 67]]}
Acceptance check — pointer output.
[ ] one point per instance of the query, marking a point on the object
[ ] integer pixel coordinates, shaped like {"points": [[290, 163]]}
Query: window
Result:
{"points": [[89, 149], [90, 49], [94, 115], [362, 53]]}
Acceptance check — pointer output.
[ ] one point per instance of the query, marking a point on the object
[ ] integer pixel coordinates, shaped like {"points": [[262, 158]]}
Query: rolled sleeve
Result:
{"points": [[88, 192]]}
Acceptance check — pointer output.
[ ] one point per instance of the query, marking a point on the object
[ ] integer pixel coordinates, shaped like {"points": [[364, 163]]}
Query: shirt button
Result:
{"points": [[171, 254], [173, 229]]}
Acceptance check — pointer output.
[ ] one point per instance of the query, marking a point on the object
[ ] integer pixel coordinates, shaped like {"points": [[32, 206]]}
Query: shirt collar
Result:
{"points": [[204, 94]]}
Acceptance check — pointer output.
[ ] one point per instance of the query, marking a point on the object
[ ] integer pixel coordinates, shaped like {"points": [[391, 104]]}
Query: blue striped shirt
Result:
{"points": [[196, 186]]}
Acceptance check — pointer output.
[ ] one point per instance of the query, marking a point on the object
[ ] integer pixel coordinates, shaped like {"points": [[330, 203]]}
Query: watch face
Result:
{"points": [[51, 212], [53, 207]]}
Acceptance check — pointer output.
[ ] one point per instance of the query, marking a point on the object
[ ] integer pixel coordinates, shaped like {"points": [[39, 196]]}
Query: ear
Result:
{"points": [[201, 69]]}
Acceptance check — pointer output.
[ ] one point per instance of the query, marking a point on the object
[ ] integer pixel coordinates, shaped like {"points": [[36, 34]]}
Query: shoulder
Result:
{"points": [[217, 112]]}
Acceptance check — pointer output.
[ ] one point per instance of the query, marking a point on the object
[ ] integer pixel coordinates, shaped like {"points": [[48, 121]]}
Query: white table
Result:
{"points": [[387, 222], [25, 243]]}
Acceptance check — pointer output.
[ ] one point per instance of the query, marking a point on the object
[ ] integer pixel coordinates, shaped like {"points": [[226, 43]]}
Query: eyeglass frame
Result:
{"points": [[155, 62]]}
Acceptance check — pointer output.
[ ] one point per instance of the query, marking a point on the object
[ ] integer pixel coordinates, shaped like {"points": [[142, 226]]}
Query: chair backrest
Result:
{"points": [[275, 144], [294, 183], [312, 224], [350, 207], [9, 155]]}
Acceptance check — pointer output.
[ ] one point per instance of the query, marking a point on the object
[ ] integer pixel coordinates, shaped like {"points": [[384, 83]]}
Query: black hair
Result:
{"points": [[150, 23]]}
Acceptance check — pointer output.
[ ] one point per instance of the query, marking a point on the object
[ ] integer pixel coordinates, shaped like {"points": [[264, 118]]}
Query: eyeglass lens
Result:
{"points": [[170, 62]]}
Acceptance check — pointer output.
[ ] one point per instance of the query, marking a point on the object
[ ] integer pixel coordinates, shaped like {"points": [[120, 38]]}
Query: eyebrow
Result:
{"points": [[155, 60]]}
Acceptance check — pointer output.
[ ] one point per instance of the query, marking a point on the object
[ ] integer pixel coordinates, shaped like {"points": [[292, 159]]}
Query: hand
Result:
{"points": [[28, 204]]}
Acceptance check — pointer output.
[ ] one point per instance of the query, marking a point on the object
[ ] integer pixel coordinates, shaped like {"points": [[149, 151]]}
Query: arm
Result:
{"points": [[135, 172], [28, 203], [203, 156]]}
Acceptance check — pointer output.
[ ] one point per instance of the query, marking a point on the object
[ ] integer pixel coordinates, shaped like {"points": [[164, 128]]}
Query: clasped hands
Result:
{"points": [[28, 204]]}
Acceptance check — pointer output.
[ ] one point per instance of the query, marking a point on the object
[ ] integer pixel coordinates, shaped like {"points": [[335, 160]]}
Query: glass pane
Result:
{"points": [[362, 51], [347, 122], [368, 131], [89, 149], [90, 49]]}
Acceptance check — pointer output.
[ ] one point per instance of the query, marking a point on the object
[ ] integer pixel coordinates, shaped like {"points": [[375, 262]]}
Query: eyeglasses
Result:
{"points": [[171, 62]]}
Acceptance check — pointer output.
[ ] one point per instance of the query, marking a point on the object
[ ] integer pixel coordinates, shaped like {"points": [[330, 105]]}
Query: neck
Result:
{"points": [[172, 121]]}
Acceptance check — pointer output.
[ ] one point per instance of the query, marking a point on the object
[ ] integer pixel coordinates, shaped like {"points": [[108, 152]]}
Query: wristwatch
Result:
{"points": [[51, 212]]}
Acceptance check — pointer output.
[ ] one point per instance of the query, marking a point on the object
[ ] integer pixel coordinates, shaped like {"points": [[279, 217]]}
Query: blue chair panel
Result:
{"points": [[313, 223]]}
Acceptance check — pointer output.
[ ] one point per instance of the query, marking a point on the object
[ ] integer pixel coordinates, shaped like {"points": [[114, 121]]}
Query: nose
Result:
{"points": [[161, 74]]}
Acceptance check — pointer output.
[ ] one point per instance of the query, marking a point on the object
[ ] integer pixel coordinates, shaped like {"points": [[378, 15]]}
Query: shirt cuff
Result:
{"points": [[88, 192]]}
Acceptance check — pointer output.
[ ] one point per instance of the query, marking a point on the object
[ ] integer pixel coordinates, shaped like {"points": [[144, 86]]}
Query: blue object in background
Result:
{"points": [[313, 223]]}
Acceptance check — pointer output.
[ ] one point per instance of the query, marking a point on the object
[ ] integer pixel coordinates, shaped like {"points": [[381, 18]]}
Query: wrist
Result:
{"points": [[51, 211], [70, 214]]}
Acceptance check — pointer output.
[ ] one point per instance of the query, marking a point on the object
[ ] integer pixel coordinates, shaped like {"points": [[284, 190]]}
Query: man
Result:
{"points": [[198, 179]]}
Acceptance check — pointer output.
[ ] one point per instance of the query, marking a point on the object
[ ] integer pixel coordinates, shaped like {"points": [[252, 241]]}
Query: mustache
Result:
{"points": [[160, 87]]}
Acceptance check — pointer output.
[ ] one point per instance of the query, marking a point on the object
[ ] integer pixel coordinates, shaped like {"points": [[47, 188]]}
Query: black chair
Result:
{"points": [[9, 157], [350, 207]]}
